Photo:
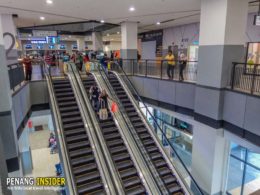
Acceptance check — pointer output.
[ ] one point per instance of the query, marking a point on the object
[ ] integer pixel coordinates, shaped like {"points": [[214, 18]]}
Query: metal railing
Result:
{"points": [[157, 69], [246, 78], [178, 163]]}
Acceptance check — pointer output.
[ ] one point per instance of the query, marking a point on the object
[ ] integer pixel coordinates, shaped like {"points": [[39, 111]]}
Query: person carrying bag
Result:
{"points": [[103, 114]]}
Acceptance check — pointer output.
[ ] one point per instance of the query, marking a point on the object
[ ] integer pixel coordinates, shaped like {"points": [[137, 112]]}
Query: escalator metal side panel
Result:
{"points": [[62, 148], [109, 188], [144, 172], [152, 133]]}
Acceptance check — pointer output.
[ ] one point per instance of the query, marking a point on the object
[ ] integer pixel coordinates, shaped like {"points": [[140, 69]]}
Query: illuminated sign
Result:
{"points": [[28, 46], [51, 46], [39, 42], [41, 33], [62, 47]]}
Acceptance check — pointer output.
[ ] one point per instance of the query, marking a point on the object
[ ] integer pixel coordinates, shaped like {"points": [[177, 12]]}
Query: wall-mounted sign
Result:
{"points": [[51, 46], [41, 33], [74, 47], [28, 46], [38, 42], [257, 20], [39, 47], [62, 47]]}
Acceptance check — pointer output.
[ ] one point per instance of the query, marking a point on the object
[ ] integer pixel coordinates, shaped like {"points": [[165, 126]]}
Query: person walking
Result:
{"points": [[48, 59], [170, 64], [182, 64], [28, 68]]}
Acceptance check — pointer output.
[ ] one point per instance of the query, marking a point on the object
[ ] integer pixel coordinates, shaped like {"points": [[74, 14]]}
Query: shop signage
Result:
{"points": [[41, 33], [38, 42]]}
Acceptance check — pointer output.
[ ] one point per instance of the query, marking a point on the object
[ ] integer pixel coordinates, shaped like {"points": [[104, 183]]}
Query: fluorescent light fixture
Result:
{"points": [[132, 8], [49, 2], [42, 18], [102, 21], [158, 23]]}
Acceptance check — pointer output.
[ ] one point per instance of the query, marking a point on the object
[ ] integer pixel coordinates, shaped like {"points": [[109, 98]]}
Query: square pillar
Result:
{"points": [[222, 39], [129, 40], [97, 41]]}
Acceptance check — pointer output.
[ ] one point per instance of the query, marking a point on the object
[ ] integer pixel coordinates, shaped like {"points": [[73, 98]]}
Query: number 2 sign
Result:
{"points": [[11, 47]]}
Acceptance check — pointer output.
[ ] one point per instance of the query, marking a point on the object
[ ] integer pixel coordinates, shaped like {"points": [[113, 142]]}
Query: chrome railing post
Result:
{"points": [[253, 80], [233, 75]]}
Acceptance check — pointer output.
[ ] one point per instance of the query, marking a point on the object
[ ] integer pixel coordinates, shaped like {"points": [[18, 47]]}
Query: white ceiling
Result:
{"points": [[147, 13]]}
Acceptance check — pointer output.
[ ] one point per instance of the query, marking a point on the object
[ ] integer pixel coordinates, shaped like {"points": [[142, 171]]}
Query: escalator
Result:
{"points": [[166, 174], [83, 164], [119, 153]]}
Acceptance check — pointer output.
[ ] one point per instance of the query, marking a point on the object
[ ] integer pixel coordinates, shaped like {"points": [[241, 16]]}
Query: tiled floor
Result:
{"points": [[43, 161]]}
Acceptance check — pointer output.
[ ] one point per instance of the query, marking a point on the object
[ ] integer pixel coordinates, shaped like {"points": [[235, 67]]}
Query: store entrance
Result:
{"points": [[253, 52]]}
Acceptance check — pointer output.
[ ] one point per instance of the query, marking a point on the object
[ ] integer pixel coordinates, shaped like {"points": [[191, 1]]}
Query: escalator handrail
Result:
{"points": [[119, 189], [108, 87], [59, 127], [158, 126]]}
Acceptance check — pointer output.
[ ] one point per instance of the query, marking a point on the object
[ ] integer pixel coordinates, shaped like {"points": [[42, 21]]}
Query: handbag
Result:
{"points": [[103, 115], [114, 107], [87, 66]]}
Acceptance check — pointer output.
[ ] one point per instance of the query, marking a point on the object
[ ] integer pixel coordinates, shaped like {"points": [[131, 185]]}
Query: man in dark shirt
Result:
{"points": [[28, 68]]}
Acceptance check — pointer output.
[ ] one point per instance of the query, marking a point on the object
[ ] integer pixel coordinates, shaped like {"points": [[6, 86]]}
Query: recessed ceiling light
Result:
{"points": [[42, 18], [118, 33], [49, 2], [158, 23], [132, 8], [102, 21]]}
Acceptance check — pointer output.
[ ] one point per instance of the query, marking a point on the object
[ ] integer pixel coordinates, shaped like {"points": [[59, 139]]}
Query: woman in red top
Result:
{"points": [[28, 68]]}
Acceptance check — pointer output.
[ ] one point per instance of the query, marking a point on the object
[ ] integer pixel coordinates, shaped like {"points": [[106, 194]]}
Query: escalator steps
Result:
{"points": [[118, 151], [82, 160], [158, 160]]}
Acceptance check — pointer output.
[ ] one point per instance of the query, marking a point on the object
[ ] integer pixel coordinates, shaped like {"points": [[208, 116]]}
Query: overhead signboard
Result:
{"points": [[257, 20], [41, 33]]}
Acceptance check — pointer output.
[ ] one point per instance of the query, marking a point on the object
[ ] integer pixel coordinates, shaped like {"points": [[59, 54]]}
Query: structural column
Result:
{"points": [[209, 158], [81, 43], [97, 41], [222, 38], [129, 40], [9, 151]]}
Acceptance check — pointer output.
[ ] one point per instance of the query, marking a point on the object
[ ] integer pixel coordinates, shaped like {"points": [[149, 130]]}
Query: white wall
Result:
{"points": [[148, 50], [190, 32]]}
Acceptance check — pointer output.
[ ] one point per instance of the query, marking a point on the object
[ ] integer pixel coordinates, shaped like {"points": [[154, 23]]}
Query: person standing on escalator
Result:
{"points": [[94, 96]]}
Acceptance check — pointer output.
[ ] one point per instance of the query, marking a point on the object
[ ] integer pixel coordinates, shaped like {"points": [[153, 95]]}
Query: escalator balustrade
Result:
{"points": [[119, 153], [82, 161], [148, 142]]}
